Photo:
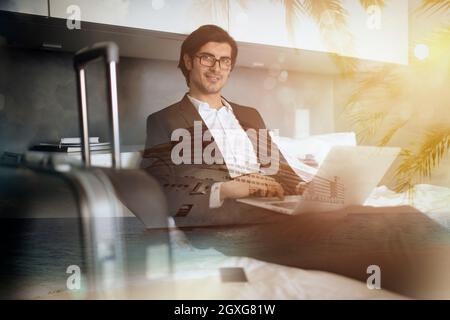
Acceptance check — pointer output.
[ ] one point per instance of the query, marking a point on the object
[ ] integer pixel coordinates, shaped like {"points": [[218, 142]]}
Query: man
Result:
{"points": [[207, 58]]}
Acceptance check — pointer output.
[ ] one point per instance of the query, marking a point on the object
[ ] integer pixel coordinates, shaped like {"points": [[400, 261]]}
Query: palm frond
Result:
{"points": [[433, 6], [293, 11], [404, 179], [422, 162], [376, 88], [439, 42], [367, 3], [347, 66], [366, 123], [392, 131], [327, 13], [331, 18]]}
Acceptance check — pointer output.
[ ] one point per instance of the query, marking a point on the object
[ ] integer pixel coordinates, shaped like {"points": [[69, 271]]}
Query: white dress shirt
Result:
{"points": [[234, 144]]}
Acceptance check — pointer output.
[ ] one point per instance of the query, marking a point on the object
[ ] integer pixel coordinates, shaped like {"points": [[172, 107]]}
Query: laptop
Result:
{"points": [[346, 177]]}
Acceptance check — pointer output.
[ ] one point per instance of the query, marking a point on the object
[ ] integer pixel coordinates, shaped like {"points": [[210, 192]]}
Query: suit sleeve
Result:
{"points": [[285, 175], [187, 187]]}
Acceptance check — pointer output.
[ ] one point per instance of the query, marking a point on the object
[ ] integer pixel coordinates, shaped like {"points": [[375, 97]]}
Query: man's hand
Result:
{"points": [[301, 187], [251, 185]]}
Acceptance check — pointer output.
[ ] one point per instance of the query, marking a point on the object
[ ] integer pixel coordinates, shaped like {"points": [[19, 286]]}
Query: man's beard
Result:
{"points": [[211, 89]]}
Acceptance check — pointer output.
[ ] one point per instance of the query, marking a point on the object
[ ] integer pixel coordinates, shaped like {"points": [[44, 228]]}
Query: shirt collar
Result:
{"points": [[201, 105]]}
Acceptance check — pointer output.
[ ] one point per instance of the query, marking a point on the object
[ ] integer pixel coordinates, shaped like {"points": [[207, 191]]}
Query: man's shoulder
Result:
{"points": [[166, 111], [246, 113], [240, 107], [243, 110]]}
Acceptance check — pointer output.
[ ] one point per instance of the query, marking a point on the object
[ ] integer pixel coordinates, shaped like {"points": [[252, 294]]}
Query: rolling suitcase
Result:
{"points": [[138, 191], [37, 202]]}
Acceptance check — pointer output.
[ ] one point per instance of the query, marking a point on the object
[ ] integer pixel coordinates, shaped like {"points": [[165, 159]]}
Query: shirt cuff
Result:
{"points": [[214, 197]]}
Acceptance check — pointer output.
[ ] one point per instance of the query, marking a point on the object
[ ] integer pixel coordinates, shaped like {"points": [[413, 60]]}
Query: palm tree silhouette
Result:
{"points": [[395, 99], [389, 92], [388, 100]]}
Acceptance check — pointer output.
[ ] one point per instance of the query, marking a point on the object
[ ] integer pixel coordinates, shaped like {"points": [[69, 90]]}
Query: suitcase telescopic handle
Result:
{"points": [[109, 52]]}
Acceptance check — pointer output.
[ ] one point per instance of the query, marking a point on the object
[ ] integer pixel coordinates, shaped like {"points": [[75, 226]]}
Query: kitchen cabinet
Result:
{"points": [[37, 7], [261, 22], [175, 16], [269, 22], [265, 28], [379, 34]]}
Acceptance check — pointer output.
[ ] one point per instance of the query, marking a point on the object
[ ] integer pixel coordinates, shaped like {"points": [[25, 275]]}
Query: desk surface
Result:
{"points": [[412, 251]]}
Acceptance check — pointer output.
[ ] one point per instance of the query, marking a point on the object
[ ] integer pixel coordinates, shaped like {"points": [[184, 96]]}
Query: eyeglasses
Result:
{"points": [[210, 61]]}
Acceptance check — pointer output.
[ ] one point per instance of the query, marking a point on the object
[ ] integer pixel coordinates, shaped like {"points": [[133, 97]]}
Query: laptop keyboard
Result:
{"points": [[286, 205]]}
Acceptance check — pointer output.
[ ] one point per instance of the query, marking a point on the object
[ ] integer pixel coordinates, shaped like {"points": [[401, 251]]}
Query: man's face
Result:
{"points": [[206, 79]]}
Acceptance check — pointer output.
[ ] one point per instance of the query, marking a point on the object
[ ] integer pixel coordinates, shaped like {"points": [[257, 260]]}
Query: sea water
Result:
{"points": [[36, 253]]}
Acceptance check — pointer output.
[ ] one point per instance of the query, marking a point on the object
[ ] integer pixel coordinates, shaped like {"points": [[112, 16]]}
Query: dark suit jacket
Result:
{"points": [[188, 186]]}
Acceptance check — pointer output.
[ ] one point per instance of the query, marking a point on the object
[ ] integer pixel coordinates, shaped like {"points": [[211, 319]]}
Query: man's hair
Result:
{"points": [[200, 37]]}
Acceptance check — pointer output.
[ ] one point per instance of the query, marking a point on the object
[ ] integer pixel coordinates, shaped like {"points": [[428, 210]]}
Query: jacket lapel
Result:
{"points": [[189, 112], [190, 115]]}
